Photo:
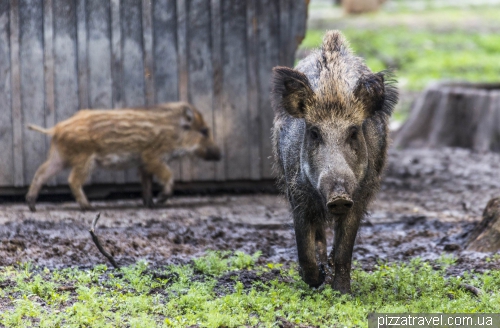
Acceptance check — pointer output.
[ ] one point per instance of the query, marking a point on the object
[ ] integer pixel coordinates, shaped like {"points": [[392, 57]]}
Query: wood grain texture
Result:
{"points": [[133, 84], [185, 164], [6, 130], [235, 88], [99, 67], [63, 55], [269, 56], [65, 67], [81, 37], [32, 83], [217, 99], [17, 115], [200, 83], [148, 55], [165, 49], [254, 116]]}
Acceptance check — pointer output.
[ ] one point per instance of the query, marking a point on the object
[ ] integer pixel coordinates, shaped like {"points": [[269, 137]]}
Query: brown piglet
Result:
{"points": [[123, 138]]}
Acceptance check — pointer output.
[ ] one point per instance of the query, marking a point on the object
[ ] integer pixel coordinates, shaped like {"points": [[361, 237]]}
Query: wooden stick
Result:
{"points": [[98, 244]]}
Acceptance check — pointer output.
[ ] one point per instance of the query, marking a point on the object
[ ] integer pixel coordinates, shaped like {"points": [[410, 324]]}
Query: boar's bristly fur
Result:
{"points": [[330, 143]]}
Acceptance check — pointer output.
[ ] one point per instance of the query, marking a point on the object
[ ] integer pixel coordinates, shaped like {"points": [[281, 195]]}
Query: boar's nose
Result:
{"points": [[339, 205], [212, 154]]}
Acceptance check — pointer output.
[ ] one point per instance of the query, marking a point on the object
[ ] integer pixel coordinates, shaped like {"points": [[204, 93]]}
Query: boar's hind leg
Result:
{"points": [[157, 167], [345, 235], [52, 165], [82, 166], [306, 236], [147, 185]]}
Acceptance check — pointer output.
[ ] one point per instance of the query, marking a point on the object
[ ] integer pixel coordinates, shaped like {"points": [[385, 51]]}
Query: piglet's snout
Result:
{"points": [[339, 204]]}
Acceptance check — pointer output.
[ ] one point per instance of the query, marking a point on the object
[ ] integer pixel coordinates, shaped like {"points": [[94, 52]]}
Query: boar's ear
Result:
{"points": [[291, 91], [187, 117], [377, 92]]}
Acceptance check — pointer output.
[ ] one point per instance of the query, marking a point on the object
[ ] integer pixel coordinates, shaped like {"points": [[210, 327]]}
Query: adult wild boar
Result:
{"points": [[123, 138], [330, 142]]}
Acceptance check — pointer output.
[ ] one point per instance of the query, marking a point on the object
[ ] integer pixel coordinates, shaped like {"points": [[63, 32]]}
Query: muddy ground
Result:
{"points": [[430, 200]]}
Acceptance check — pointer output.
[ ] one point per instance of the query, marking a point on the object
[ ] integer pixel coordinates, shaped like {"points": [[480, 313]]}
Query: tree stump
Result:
{"points": [[361, 6], [486, 235], [454, 115]]}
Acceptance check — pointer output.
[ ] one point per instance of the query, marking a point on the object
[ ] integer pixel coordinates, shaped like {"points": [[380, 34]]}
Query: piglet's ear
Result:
{"points": [[187, 117], [378, 92], [291, 91]]}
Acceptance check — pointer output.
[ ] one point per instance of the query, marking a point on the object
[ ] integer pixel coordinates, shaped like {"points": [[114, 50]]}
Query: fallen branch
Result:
{"points": [[474, 290], [98, 244]]}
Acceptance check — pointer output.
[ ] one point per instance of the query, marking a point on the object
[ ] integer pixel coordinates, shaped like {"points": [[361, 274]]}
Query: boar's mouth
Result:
{"points": [[339, 204], [210, 154]]}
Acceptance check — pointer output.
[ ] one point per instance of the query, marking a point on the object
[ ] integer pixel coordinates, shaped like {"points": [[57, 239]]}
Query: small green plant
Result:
{"points": [[180, 296]]}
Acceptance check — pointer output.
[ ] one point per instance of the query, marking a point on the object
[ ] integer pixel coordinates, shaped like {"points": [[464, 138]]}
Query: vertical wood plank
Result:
{"points": [[235, 87], [185, 173], [32, 83], [165, 49], [200, 84], [116, 53], [284, 43], [48, 55], [6, 130], [100, 83], [268, 14], [298, 22], [17, 115], [133, 61], [217, 103], [65, 66], [253, 95], [81, 36], [147, 36]]}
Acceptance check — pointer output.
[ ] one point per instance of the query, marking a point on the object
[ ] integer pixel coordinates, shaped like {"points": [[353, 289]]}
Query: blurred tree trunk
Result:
{"points": [[486, 236], [454, 115]]}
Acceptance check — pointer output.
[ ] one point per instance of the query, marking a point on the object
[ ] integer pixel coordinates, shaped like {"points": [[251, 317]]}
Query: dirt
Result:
{"points": [[430, 200]]}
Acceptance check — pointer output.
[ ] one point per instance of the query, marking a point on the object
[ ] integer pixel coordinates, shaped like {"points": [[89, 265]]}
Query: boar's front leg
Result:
{"points": [[345, 234], [306, 234], [154, 165], [147, 187]]}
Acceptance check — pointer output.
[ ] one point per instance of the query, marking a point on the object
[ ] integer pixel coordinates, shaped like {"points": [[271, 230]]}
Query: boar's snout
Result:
{"points": [[339, 204], [212, 153]]}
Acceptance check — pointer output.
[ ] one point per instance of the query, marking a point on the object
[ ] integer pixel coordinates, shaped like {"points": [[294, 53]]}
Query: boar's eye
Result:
{"points": [[204, 132], [315, 134], [353, 133]]}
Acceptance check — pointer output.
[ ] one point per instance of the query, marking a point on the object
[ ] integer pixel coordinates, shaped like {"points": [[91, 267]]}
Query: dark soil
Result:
{"points": [[430, 200]]}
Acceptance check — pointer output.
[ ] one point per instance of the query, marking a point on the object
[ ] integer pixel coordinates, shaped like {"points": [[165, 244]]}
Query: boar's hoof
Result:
{"points": [[313, 280], [31, 203], [148, 203], [339, 205], [86, 207], [162, 198], [342, 285]]}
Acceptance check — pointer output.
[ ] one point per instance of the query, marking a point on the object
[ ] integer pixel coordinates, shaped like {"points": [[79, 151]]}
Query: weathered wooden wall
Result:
{"points": [[57, 56]]}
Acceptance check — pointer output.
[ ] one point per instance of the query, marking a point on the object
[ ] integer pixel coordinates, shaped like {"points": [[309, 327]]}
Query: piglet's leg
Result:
{"points": [[147, 187], [82, 167], [156, 166], [52, 165]]}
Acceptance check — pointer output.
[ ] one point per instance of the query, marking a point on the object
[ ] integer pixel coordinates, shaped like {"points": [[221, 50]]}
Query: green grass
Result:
{"points": [[421, 56], [422, 47], [179, 296]]}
